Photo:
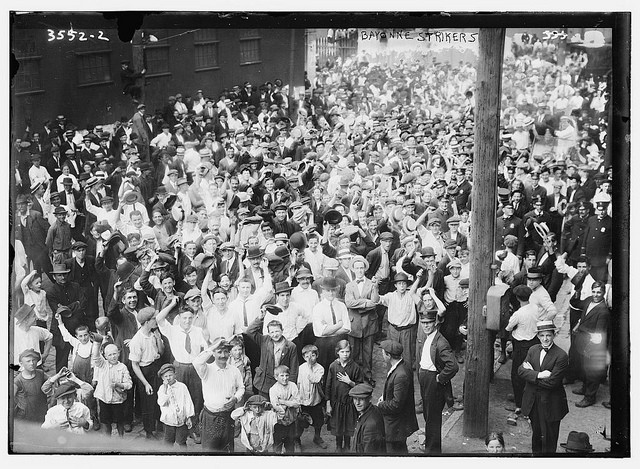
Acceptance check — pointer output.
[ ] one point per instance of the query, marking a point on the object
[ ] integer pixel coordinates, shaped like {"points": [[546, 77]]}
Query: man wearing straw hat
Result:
{"points": [[544, 400]]}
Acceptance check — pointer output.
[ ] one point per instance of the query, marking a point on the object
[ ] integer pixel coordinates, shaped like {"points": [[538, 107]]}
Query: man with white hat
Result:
{"points": [[544, 400], [361, 298]]}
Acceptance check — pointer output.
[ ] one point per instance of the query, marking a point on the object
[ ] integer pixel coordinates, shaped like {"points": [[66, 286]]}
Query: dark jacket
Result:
{"points": [[362, 310], [264, 379], [369, 435], [398, 407], [596, 322], [547, 392]]}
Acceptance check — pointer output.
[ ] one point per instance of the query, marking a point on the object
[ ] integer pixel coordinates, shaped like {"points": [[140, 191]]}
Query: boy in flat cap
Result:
{"points": [[176, 407], [369, 434], [68, 413], [30, 402], [257, 420]]}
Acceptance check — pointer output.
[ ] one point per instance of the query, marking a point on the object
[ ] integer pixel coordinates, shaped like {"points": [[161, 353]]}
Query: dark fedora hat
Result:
{"points": [[254, 252], [273, 309], [329, 283], [578, 442], [282, 287]]}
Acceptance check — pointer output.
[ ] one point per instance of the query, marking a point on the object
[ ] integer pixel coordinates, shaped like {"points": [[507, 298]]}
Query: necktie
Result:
{"points": [[333, 313], [244, 313], [187, 343], [543, 353], [360, 281]]}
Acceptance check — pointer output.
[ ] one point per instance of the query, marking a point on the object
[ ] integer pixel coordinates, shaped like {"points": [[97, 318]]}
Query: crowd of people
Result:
{"points": [[224, 267]]}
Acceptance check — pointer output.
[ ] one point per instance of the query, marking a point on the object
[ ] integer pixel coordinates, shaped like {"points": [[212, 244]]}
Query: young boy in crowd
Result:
{"points": [[310, 387], [285, 401], [257, 421], [238, 359], [68, 413], [176, 407], [81, 363], [111, 381], [30, 400]]}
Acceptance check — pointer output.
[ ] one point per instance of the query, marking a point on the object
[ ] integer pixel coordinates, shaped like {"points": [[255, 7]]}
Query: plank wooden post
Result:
{"points": [[479, 356], [137, 52]]}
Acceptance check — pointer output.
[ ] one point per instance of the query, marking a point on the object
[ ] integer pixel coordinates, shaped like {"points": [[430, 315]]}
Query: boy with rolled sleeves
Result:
{"points": [[112, 380], [286, 402]]}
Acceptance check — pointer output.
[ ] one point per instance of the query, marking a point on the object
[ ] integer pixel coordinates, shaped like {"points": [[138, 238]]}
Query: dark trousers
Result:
{"points": [[397, 447], [433, 399], [407, 337], [133, 396], [62, 355], [150, 409], [520, 349], [544, 439], [362, 353], [593, 371], [284, 435], [574, 369], [327, 350], [186, 373], [176, 435], [316, 414], [252, 351], [217, 431]]}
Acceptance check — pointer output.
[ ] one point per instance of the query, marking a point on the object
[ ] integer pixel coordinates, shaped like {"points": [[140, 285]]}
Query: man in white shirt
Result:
{"points": [[292, 317], [222, 388], [105, 212], [186, 341], [330, 322], [38, 173], [27, 335]]}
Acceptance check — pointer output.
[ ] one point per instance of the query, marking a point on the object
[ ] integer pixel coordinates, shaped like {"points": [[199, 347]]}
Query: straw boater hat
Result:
{"points": [[542, 326]]}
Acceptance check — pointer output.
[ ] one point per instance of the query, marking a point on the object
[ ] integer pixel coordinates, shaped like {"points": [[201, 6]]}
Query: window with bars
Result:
{"points": [[157, 60], [249, 51], [28, 78], [206, 49], [94, 67]]}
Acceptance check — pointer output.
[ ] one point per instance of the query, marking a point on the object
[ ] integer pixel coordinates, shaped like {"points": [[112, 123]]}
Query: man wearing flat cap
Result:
{"points": [[68, 414], [83, 272], [544, 400], [539, 295], [397, 403], [222, 389], [380, 271], [369, 434], [598, 238]]}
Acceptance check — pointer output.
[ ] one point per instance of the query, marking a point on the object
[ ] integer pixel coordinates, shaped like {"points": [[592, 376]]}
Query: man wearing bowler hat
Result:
{"points": [[222, 389], [64, 293], [544, 400], [437, 367], [369, 433], [361, 299], [397, 403]]}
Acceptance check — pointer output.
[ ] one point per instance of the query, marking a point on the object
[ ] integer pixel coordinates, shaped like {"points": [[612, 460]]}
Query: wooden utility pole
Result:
{"points": [[479, 356]]}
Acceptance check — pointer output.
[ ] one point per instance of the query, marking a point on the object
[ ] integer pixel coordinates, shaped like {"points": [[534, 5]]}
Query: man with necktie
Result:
{"points": [[331, 322], [361, 299], [186, 341], [544, 400]]}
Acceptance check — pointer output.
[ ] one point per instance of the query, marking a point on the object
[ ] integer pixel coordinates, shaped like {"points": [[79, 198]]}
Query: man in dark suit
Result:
{"points": [[589, 347], [71, 159], [546, 261], [437, 367], [360, 298], [368, 435], [140, 128], [509, 224], [533, 224], [574, 192], [397, 403], [573, 233], [264, 377], [463, 191], [82, 271], [380, 267], [597, 240], [31, 229], [54, 163], [556, 205], [544, 400]]}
